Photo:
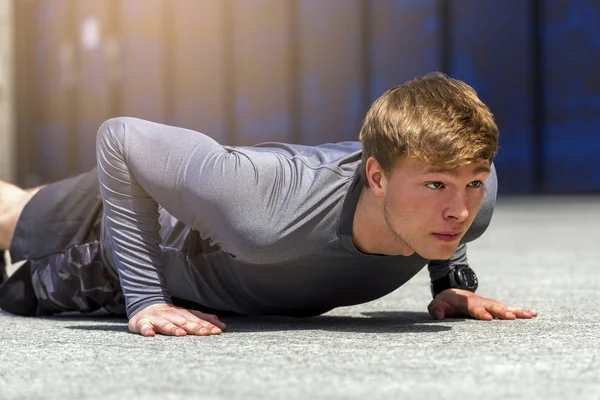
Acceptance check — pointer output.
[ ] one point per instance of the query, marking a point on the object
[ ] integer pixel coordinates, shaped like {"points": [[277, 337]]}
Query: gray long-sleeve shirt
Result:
{"points": [[256, 230]]}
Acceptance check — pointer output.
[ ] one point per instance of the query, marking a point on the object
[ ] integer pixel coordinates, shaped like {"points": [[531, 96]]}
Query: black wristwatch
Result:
{"points": [[460, 277]]}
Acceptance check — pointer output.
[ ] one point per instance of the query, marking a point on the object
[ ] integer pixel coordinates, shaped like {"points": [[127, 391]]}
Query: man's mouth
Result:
{"points": [[447, 236]]}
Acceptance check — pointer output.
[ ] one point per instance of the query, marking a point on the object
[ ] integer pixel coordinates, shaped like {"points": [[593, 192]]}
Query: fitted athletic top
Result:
{"points": [[265, 229]]}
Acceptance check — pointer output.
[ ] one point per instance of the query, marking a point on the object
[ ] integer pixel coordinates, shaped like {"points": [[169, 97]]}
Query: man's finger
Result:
{"points": [[437, 313], [480, 312], [186, 318], [500, 311], [211, 318], [521, 312], [146, 329], [206, 328], [508, 315], [168, 328], [202, 329], [198, 326], [191, 327], [191, 323]]}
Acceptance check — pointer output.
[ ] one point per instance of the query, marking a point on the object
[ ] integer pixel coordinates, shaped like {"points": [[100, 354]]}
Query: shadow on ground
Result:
{"points": [[368, 322]]}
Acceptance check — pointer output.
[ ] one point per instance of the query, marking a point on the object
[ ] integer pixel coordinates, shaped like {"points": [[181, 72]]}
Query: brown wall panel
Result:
{"points": [[142, 86], [25, 108], [331, 69], [7, 145], [54, 77], [93, 94], [196, 55], [262, 71]]}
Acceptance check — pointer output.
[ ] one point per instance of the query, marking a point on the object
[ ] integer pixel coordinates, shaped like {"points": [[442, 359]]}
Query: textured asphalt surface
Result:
{"points": [[538, 253]]}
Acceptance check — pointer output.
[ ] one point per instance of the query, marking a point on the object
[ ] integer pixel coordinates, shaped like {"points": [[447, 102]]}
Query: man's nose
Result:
{"points": [[458, 209]]}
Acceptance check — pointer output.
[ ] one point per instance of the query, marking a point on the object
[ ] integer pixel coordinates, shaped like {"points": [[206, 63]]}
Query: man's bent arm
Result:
{"points": [[141, 165]]}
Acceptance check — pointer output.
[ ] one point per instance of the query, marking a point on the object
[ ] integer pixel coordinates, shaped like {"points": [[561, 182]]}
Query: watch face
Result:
{"points": [[467, 278]]}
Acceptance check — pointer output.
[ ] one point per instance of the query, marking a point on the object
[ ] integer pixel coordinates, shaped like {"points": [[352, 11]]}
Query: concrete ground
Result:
{"points": [[538, 253]]}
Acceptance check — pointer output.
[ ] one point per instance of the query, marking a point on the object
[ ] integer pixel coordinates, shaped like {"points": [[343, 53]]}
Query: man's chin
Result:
{"points": [[437, 254]]}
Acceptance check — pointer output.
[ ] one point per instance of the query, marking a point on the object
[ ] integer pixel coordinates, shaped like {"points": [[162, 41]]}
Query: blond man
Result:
{"points": [[174, 229]]}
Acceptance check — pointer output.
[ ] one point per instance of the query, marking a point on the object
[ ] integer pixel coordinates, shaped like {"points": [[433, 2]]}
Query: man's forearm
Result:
{"points": [[141, 291]]}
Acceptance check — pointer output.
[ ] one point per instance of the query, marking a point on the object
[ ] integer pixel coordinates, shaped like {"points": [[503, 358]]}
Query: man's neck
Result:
{"points": [[370, 232]]}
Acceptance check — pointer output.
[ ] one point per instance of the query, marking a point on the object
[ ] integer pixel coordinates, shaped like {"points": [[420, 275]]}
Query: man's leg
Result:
{"points": [[57, 232], [12, 202]]}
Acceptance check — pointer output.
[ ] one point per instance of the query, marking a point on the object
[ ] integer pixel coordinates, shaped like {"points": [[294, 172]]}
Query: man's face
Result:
{"points": [[428, 208]]}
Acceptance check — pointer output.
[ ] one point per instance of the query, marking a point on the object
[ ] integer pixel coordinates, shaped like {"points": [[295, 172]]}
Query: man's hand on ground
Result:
{"points": [[457, 302], [174, 321]]}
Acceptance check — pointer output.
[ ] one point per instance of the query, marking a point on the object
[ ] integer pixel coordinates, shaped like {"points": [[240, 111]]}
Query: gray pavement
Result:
{"points": [[539, 253]]}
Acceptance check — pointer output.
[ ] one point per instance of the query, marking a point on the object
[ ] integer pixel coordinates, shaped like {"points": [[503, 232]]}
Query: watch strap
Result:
{"points": [[439, 285]]}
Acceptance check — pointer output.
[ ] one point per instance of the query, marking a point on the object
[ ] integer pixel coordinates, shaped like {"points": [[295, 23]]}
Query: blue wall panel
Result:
{"points": [[490, 48], [571, 50], [404, 42]]}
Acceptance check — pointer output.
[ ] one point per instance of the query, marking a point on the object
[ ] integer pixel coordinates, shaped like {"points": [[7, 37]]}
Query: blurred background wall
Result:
{"points": [[7, 145], [303, 71]]}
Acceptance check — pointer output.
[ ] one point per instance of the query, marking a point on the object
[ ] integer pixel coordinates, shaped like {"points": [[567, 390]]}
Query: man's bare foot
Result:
{"points": [[12, 201]]}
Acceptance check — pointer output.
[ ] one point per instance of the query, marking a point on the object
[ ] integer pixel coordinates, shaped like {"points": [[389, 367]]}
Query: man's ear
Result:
{"points": [[375, 177]]}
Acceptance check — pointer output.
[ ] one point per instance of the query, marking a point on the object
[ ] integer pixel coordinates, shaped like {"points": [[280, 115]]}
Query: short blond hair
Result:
{"points": [[434, 118]]}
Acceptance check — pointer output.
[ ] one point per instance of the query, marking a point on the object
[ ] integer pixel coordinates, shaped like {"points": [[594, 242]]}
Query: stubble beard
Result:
{"points": [[399, 241]]}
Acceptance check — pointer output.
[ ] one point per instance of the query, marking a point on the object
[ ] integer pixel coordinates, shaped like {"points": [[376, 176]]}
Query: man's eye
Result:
{"points": [[476, 184], [435, 185]]}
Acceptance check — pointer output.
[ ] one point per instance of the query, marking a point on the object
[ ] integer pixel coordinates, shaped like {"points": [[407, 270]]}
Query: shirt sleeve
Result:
{"points": [[141, 165], [440, 268]]}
